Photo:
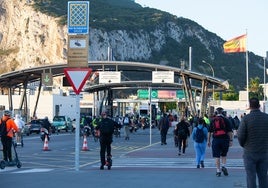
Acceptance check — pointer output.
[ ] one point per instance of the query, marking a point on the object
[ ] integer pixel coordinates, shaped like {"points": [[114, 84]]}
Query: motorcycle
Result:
{"points": [[43, 133]]}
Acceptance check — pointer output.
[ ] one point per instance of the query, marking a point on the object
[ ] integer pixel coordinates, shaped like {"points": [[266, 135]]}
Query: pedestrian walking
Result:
{"points": [[20, 124], [126, 124], [106, 127], [7, 129], [253, 137], [221, 131], [199, 136], [173, 125], [163, 127], [182, 132]]}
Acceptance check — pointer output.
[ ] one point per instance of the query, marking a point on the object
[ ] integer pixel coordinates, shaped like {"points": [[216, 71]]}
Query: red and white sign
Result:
{"points": [[77, 77]]}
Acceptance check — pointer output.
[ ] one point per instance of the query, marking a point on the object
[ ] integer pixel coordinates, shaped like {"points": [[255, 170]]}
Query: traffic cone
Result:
{"points": [[45, 148], [85, 148]]}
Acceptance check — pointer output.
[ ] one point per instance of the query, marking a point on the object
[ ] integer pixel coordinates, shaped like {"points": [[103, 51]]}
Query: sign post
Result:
{"points": [[77, 77]]}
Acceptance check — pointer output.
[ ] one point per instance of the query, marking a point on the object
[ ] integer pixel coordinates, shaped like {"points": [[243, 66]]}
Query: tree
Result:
{"points": [[254, 88], [229, 95]]}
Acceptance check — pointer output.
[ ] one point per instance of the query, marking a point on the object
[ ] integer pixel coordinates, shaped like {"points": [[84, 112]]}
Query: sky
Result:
{"points": [[226, 18]]}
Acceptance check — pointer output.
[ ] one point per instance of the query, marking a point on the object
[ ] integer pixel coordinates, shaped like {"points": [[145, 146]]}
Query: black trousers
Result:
{"points": [[163, 133], [105, 147], [7, 144]]}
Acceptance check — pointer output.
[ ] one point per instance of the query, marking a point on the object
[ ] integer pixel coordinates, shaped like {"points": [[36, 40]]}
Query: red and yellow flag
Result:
{"points": [[234, 45]]}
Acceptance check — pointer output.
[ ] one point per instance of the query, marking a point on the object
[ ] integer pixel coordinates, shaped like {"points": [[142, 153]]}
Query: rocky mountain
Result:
{"points": [[34, 32]]}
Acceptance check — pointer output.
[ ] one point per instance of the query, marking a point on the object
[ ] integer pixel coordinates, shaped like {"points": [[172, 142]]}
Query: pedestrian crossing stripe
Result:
{"points": [[34, 170], [170, 163]]}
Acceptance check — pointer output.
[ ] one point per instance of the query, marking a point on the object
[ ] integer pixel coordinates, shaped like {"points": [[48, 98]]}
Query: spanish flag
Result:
{"points": [[234, 45]]}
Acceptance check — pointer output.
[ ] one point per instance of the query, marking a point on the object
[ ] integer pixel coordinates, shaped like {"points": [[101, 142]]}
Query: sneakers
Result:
{"points": [[224, 170], [218, 174], [198, 166], [102, 167]]}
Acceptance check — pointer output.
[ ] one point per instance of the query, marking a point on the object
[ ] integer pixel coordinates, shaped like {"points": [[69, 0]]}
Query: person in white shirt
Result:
{"points": [[173, 125], [20, 124]]}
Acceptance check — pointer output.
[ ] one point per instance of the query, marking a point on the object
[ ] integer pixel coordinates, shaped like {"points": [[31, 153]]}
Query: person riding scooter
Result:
{"points": [[45, 129]]}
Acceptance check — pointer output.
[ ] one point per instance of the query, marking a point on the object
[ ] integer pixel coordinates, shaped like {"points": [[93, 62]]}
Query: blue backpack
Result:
{"points": [[199, 135]]}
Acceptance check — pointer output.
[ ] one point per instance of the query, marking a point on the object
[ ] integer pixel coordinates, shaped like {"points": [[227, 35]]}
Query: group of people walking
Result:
{"points": [[217, 132]]}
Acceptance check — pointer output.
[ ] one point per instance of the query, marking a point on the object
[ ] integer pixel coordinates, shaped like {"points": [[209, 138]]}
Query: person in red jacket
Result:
{"points": [[6, 140]]}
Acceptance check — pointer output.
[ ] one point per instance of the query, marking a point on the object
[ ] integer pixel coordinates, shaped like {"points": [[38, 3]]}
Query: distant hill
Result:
{"points": [[149, 35]]}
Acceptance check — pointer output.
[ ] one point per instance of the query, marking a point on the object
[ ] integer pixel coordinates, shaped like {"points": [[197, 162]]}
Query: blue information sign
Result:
{"points": [[78, 17]]}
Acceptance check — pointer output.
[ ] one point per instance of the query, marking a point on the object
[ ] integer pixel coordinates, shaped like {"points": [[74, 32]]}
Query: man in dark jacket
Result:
{"points": [[252, 136], [106, 127], [182, 132], [163, 127]]}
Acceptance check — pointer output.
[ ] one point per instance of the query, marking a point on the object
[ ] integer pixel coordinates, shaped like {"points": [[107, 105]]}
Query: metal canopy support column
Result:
{"points": [[24, 99], [10, 101], [189, 94], [204, 97], [37, 98], [110, 102]]}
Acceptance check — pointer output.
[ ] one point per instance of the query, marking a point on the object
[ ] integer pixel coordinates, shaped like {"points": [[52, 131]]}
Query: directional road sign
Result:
{"points": [[47, 79], [109, 77], [163, 77]]}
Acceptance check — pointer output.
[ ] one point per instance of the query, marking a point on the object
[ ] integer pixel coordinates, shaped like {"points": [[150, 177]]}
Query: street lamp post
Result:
{"points": [[213, 74]]}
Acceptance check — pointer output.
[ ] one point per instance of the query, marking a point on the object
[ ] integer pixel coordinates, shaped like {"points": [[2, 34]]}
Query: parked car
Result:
{"points": [[26, 130], [61, 123], [34, 126]]}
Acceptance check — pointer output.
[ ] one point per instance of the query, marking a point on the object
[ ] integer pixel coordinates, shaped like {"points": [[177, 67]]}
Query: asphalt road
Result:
{"points": [[136, 163]]}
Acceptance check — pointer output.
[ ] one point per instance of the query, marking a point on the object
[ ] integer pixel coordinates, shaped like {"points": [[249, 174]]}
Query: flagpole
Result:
{"points": [[247, 74], [247, 65]]}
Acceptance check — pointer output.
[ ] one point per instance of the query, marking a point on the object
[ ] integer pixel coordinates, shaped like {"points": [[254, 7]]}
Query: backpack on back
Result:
{"points": [[219, 127], [106, 127], [126, 121], [200, 136], [3, 128]]}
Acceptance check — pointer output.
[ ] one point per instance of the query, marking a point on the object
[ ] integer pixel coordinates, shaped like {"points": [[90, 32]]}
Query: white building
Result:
{"points": [[50, 104]]}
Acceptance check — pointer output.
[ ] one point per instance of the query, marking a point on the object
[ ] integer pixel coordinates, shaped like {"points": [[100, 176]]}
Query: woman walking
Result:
{"points": [[199, 136]]}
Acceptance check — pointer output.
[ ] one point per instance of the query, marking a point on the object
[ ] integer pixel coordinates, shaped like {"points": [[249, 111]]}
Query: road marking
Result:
{"points": [[169, 163], [33, 170]]}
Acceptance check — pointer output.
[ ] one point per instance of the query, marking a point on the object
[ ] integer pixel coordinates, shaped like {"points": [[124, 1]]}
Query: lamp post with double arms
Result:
{"points": [[213, 74]]}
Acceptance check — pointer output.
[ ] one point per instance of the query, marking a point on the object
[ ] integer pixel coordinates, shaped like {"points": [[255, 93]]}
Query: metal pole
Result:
{"points": [[213, 74], [264, 79], [150, 110], [77, 132]]}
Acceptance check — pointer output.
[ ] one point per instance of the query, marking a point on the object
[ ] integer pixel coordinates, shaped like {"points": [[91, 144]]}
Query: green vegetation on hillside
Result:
{"points": [[108, 14], [127, 15]]}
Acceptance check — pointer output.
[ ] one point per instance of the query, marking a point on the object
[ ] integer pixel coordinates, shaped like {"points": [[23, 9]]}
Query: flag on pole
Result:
{"points": [[234, 45]]}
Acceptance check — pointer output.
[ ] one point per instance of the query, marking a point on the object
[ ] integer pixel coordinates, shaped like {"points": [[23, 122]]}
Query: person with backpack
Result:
{"points": [[126, 124], [7, 129], [221, 131], [253, 138], [106, 127], [199, 136], [182, 132]]}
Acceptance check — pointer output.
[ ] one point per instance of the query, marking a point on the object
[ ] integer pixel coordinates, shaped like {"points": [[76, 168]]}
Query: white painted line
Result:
{"points": [[33, 170]]}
